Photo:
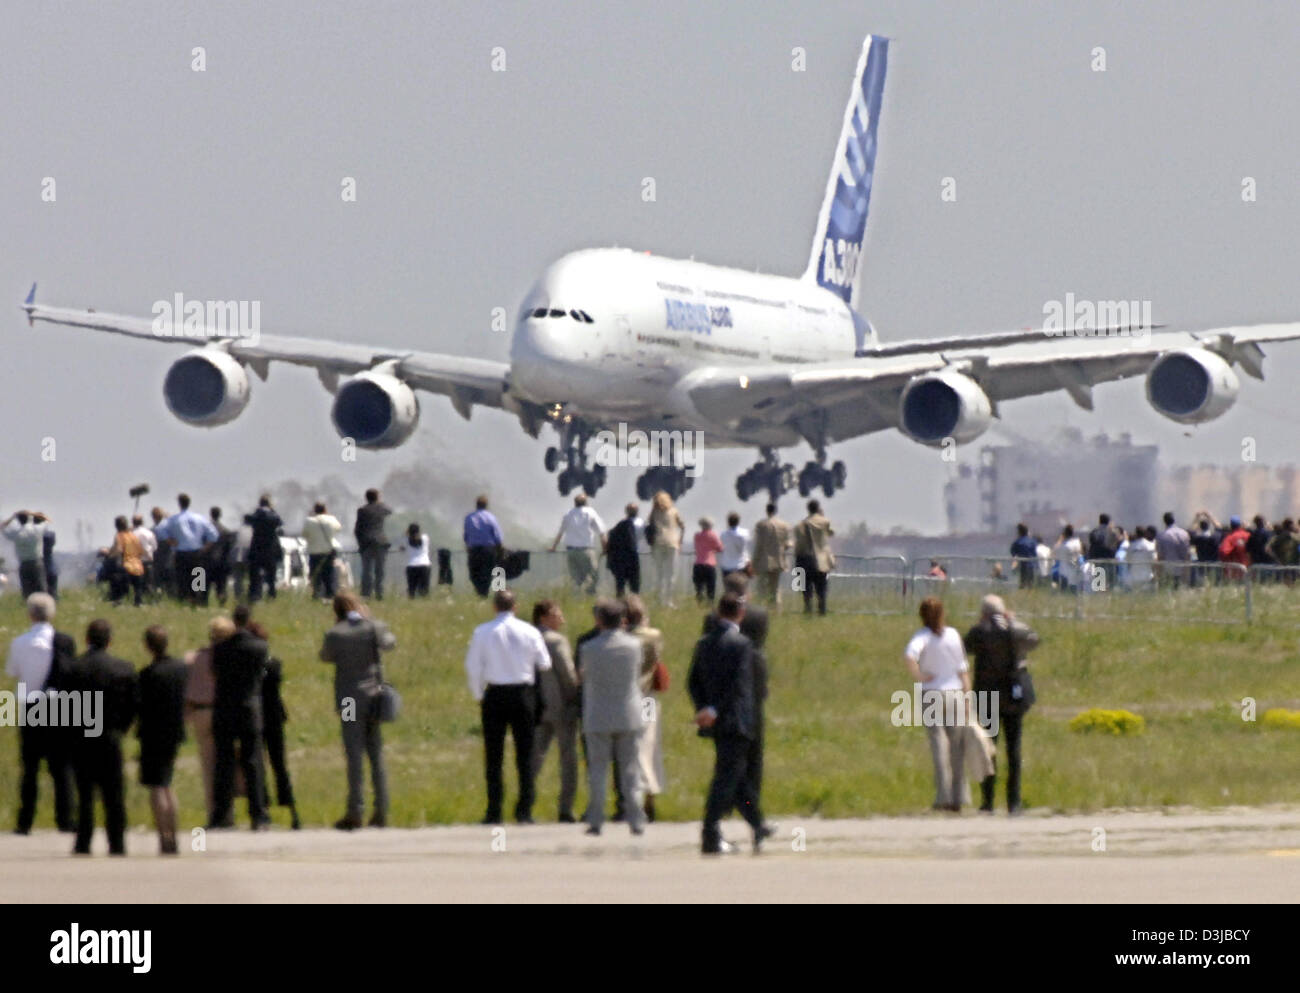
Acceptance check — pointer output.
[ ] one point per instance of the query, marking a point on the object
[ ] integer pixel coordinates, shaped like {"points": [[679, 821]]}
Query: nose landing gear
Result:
{"points": [[572, 452]]}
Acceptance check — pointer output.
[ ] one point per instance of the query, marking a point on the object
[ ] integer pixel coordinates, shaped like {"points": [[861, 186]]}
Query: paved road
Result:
{"points": [[1238, 854]]}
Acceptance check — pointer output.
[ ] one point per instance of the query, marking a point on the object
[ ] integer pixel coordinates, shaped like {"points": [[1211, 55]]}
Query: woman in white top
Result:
{"points": [[418, 566], [936, 660]]}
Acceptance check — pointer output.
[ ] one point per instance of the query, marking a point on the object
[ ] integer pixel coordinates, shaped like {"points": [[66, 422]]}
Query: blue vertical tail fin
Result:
{"points": [[842, 223]]}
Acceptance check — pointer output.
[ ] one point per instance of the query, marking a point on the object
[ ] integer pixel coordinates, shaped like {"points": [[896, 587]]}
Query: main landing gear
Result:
{"points": [[766, 474], [815, 474], [770, 474], [672, 480]]}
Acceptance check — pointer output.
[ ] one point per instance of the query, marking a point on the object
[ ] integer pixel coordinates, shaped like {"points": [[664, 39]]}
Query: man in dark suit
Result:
{"points": [[97, 758], [372, 542], [220, 556], [721, 681], [239, 664], [264, 553], [274, 716], [623, 557], [754, 627], [47, 556]]}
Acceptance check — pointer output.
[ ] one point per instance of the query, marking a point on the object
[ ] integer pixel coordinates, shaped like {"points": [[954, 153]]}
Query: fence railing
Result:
{"points": [[1212, 592], [1146, 589]]}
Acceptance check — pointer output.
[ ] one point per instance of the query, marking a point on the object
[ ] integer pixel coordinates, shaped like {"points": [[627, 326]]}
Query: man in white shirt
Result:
{"points": [[148, 547], [1044, 553], [735, 546], [28, 536], [582, 532], [502, 663], [1141, 558], [1068, 552], [31, 660], [319, 531]]}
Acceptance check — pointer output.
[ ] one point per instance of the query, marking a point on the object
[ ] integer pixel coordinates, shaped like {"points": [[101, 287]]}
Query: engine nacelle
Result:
{"points": [[947, 404], [375, 410], [206, 387], [1191, 385]]}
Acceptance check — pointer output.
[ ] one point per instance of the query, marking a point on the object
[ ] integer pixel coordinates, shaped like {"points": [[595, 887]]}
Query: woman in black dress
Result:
{"points": [[161, 730]]}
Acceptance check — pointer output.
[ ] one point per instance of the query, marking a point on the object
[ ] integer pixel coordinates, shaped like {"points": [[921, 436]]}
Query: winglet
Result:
{"points": [[30, 304]]}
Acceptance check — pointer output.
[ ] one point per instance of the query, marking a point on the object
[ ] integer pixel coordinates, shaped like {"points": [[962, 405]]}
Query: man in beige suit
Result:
{"points": [[813, 555], [772, 541]]}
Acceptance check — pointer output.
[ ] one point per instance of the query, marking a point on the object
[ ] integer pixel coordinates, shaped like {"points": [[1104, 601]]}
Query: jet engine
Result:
{"points": [[206, 387], [947, 404], [1191, 385], [375, 409]]}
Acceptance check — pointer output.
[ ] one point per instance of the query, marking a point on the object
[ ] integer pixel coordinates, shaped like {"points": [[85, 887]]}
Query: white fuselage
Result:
{"points": [[655, 320]]}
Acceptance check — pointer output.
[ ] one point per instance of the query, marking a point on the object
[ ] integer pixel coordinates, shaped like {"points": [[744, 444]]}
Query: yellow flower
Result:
{"points": [[1277, 717], [1108, 722]]}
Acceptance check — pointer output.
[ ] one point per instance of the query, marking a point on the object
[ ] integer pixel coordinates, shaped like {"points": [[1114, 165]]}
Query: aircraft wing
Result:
{"points": [[466, 381], [860, 395]]}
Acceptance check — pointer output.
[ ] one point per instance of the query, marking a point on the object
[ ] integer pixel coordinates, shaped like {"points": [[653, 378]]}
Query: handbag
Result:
{"points": [[387, 702], [1020, 694], [1022, 689]]}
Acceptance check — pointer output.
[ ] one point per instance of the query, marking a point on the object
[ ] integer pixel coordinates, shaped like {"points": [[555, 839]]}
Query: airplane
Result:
{"points": [[612, 337]]}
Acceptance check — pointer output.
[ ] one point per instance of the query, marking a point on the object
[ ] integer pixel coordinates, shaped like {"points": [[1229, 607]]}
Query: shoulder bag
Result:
{"points": [[387, 702], [1021, 690]]}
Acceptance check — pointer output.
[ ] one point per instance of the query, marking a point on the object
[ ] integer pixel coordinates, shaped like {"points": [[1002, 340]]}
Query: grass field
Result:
{"points": [[831, 750]]}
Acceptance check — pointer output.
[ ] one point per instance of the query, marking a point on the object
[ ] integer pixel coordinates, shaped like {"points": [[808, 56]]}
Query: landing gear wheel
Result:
{"points": [[840, 474], [552, 459], [565, 481], [644, 487], [828, 485]]}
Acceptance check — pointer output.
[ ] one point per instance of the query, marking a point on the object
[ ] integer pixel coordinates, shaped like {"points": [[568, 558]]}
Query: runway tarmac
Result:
{"points": [[1249, 855]]}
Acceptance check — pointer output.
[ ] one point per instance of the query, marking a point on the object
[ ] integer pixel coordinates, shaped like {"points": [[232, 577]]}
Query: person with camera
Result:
{"points": [[998, 643]]}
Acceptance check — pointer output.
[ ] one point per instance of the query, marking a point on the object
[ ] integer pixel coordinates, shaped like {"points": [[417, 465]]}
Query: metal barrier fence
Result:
{"points": [[1207, 592]]}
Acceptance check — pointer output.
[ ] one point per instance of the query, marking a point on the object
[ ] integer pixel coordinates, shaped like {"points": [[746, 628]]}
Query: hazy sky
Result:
{"points": [[225, 184]]}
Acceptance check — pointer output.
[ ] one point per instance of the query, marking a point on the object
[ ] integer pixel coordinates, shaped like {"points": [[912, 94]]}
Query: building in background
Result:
{"points": [[1047, 485], [1247, 489]]}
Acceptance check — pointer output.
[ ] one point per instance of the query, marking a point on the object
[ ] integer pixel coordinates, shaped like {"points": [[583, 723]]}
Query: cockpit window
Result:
{"points": [[586, 317], [539, 312], [555, 312], [575, 315]]}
